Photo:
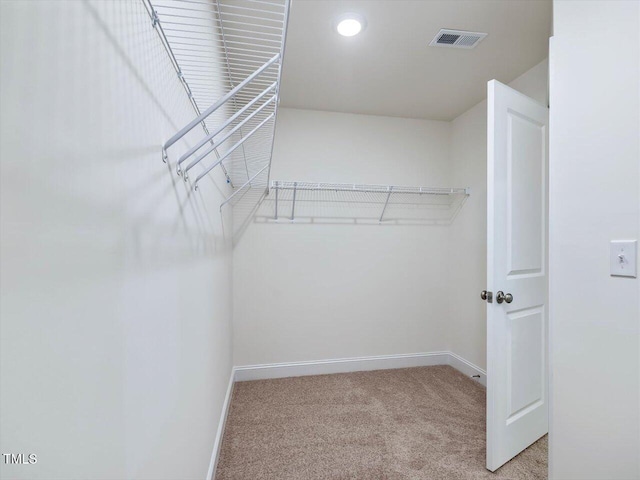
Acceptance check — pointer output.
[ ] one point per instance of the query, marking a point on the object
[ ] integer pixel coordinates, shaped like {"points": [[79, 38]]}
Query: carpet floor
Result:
{"points": [[411, 423]]}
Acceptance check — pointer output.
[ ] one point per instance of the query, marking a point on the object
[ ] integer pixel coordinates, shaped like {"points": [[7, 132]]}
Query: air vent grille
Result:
{"points": [[448, 39], [457, 39]]}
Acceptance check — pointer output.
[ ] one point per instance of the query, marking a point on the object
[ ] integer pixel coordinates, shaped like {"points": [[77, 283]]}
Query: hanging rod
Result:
{"points": [[231, 119], [228, 135], [231, 150], [217, 105]]}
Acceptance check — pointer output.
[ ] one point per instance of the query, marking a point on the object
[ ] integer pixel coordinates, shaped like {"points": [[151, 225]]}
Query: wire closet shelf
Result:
{"points": [[228, 56], [379, 203]]}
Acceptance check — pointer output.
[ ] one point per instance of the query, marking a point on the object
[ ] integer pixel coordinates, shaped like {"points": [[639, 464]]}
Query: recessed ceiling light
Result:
{"points": [[350, 24]]}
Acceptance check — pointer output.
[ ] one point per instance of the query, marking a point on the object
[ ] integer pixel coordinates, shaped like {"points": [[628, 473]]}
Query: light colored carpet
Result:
{"points": [[411, 423]]}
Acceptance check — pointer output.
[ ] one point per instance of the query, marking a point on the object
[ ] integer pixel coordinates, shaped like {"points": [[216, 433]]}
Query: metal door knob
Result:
{"points": [[486, 295], [504, 297]]}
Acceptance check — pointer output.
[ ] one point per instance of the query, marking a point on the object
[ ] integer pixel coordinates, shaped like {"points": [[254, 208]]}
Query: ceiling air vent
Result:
{"points": [[457, 39]]}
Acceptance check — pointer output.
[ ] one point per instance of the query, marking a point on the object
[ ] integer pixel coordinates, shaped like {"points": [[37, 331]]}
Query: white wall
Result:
{"points": [[594, 198], [467, 330], [309, 291], [467, 334], [116, 281], [534, 82]]}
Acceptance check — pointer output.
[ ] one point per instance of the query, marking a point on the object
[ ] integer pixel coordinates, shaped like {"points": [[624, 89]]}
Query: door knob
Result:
{"points": [[486, 295], [504, 297]]}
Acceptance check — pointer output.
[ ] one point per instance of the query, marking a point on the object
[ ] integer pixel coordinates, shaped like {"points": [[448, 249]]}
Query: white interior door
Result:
{"points": [[517, 273]]}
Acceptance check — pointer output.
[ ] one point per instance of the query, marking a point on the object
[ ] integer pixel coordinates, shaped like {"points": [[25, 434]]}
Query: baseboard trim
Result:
{"points": [[358, 364], [217, 443], [339, 365], [468, 368]]}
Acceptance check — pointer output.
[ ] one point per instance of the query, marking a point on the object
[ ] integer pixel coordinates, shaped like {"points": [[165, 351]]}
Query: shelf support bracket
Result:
{"points": [[248, 182], [276, 189], [293, 205], [385, 204]]}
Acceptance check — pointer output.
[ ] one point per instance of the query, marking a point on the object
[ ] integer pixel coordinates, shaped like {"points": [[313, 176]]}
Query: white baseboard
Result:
{"points": [[217, 443], [341, 365], [468, 368], [359, 364]]}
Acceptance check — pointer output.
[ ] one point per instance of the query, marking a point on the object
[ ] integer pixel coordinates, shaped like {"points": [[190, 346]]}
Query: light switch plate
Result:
{"points": [[623, 258]]}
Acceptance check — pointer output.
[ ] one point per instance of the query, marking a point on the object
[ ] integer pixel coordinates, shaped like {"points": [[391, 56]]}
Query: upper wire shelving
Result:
{"points": [[228, 55]]}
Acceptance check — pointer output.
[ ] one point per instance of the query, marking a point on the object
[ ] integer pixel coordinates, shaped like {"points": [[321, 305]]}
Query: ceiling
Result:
{"points": [[389, 69]]}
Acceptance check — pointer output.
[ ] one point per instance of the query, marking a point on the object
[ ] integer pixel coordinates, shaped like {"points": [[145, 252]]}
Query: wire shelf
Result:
{"points": [[228, 55], [311, 202]]}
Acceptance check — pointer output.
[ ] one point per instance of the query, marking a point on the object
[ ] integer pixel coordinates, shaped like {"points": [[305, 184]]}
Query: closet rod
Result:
{"points": [[231, 150], [218, 104], [231, 119], [227, 135]]}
